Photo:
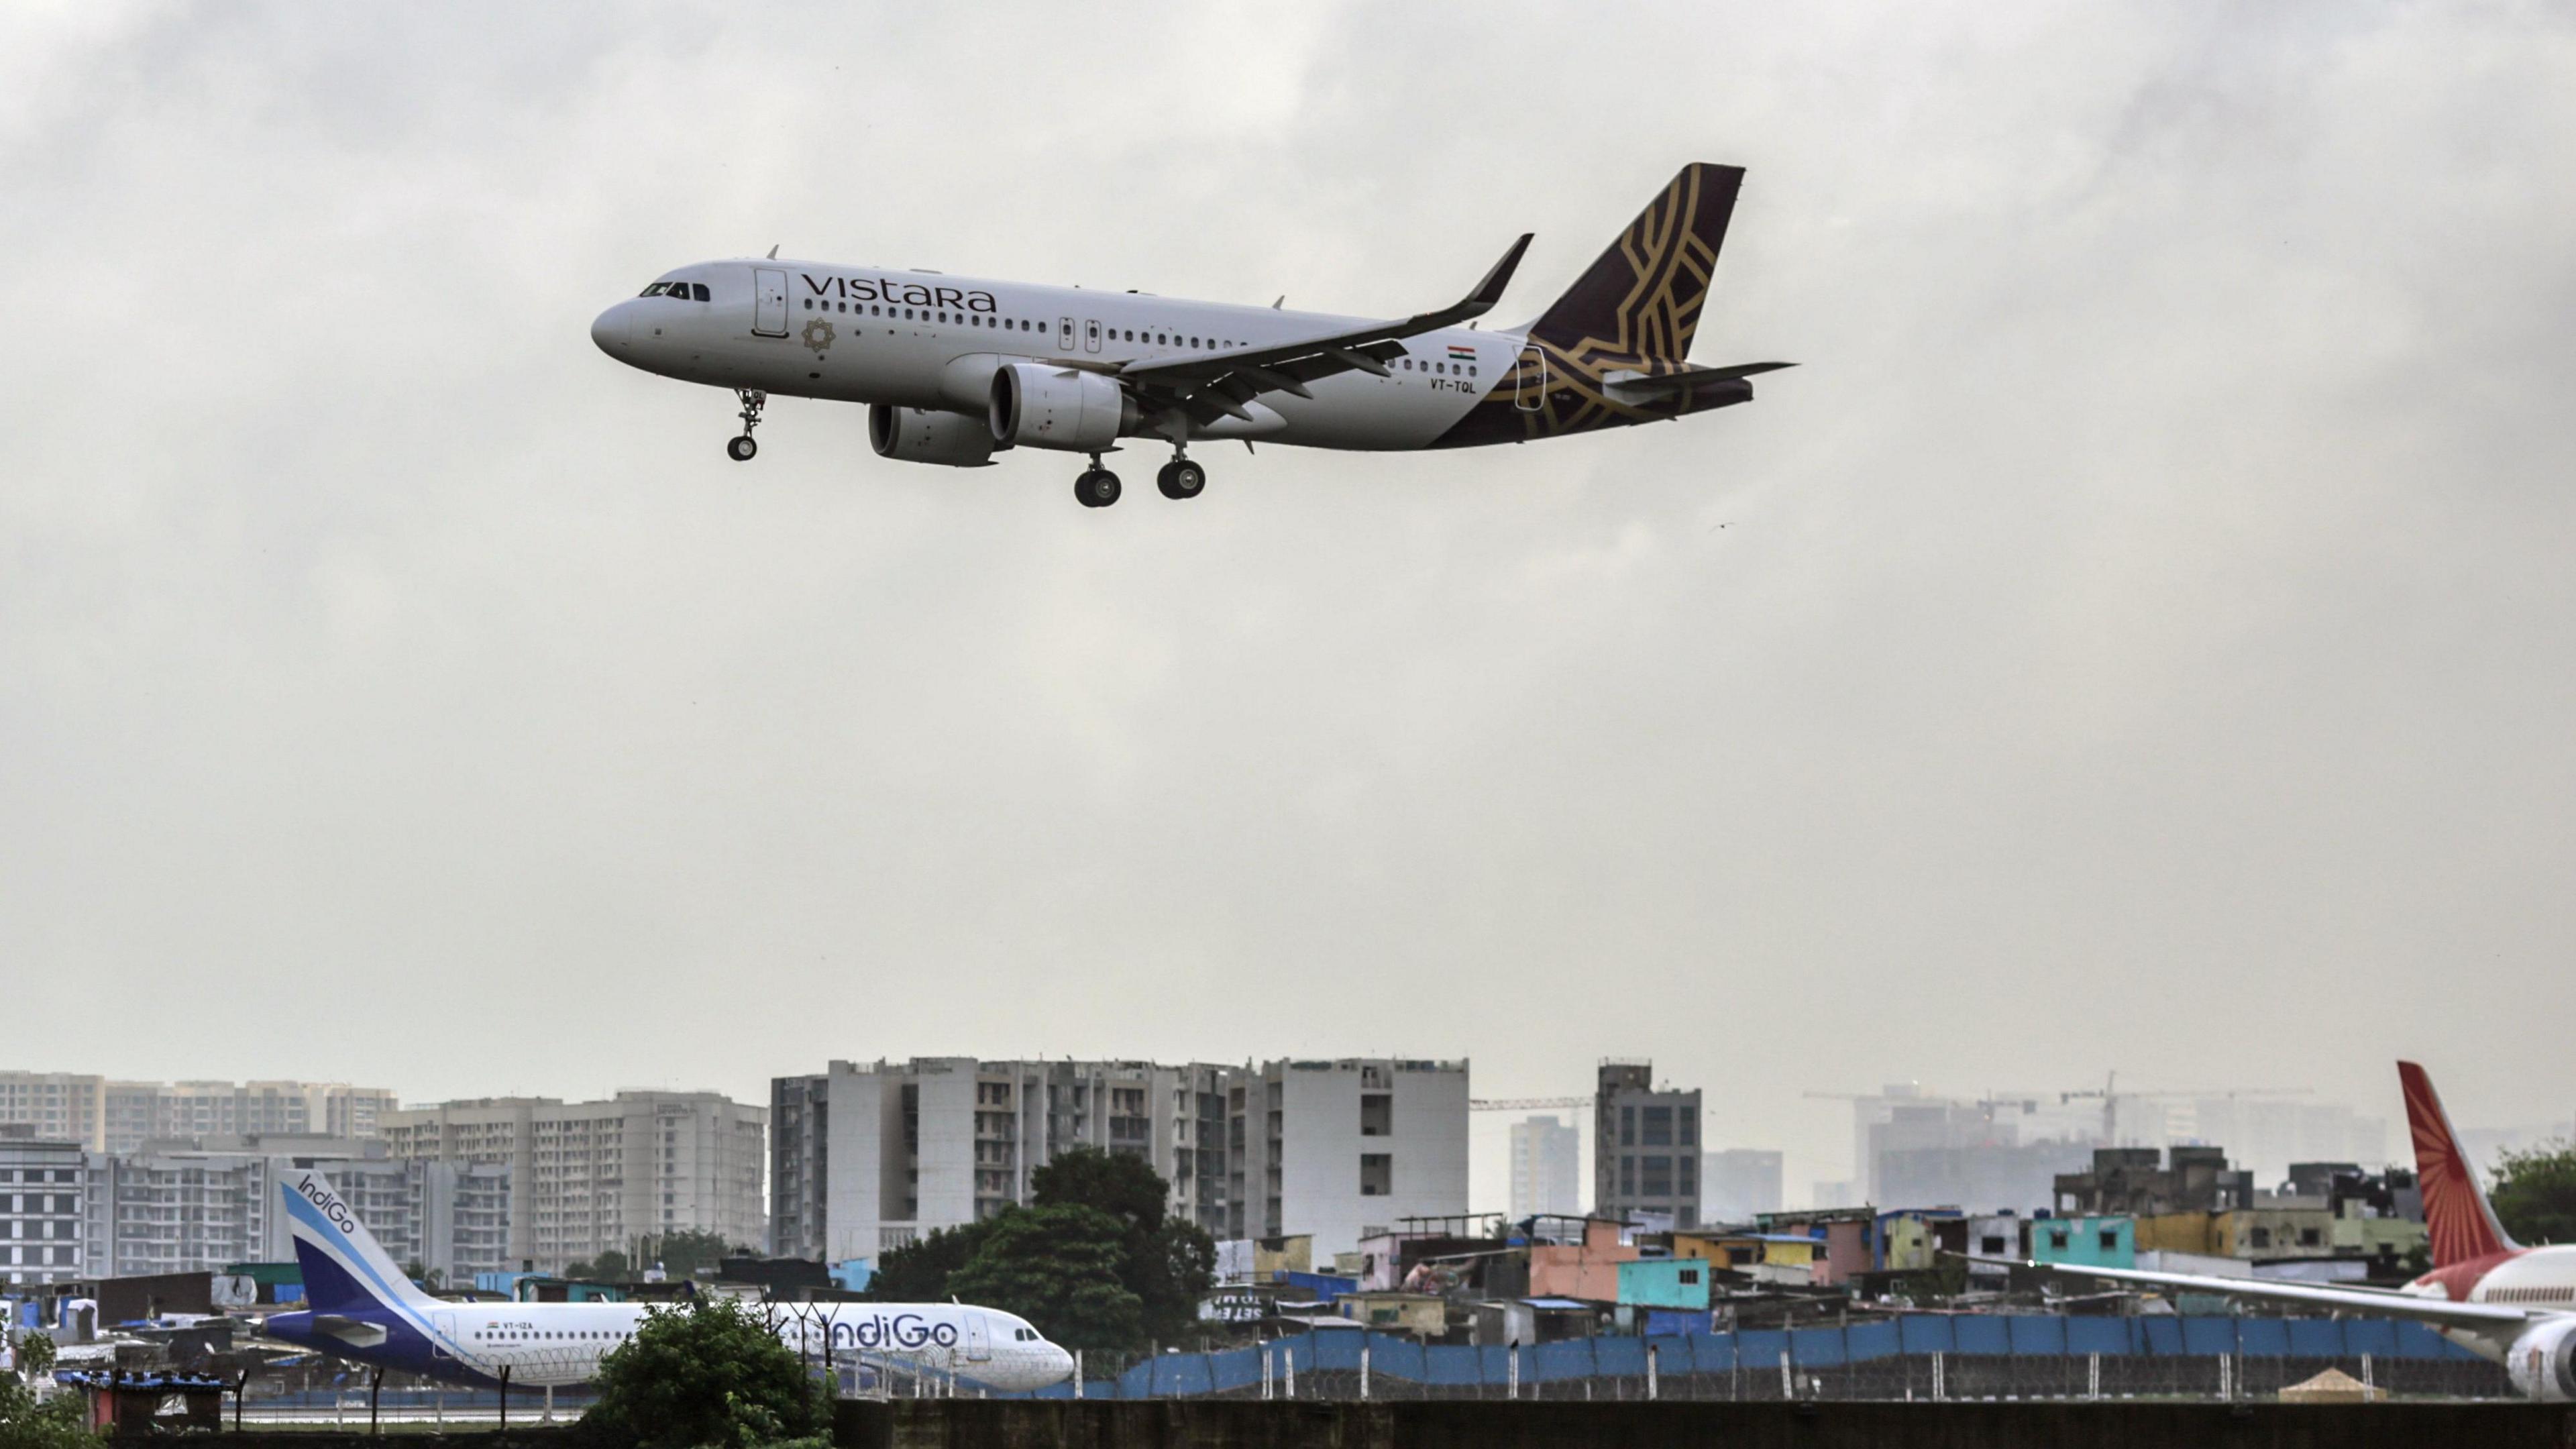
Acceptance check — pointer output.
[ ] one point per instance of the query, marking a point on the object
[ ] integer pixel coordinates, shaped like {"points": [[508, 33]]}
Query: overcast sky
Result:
{"points": [[2140, 635]]}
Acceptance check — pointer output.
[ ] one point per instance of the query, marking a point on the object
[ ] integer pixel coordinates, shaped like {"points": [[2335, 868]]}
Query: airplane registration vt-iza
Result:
{"points": [[954, 369], [361, 1307], [2487, 1293]]}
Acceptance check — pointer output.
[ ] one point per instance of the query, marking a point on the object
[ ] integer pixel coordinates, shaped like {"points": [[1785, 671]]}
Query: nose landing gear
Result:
{"points": [[753, 400]]}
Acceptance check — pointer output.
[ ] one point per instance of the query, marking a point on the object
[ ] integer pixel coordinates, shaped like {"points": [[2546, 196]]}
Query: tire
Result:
{"points": [[740, 449], [1097, 489], [1181, 478]]}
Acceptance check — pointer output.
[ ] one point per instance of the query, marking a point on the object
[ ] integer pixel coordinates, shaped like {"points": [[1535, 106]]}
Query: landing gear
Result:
{"points": [[1097, 487], [753, 400], [1181, 478]]}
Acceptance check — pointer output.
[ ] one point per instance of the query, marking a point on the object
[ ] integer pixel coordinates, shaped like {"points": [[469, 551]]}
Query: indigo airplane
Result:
{"points": [[954, 370], [360, 1306]]}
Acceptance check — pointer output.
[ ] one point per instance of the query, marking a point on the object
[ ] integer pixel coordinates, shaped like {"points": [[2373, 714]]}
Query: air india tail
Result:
{"points": [[2456, 1213]]}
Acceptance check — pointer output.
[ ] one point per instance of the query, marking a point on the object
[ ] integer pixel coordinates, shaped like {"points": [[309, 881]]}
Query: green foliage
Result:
{"points": [[61, 1423], [2535, 1193], [683, 1253], [612, 1267], [705, 1374], [1114, 1182], [1060, 1268], [918, 1272]]}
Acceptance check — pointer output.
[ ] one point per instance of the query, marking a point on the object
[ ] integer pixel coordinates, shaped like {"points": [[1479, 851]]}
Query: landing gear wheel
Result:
{"points": [[1181, 478], [753, 400], [1097, 488]]}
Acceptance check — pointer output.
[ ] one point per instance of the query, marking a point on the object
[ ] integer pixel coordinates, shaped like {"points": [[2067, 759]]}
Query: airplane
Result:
{"points": [[2502, 1301], [360, 1306], [955, 369]]}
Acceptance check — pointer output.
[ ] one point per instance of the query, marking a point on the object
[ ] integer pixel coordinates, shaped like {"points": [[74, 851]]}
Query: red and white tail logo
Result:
{"points": [[2456, 1213]]}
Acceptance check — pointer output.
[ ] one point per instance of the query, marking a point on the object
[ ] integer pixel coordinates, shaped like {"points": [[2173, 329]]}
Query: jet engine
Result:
{"points": [[1038, 406], [2542, 1363], [927, 435]]}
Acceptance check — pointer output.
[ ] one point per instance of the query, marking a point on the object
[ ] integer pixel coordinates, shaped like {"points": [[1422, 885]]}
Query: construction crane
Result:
{"points": [[2111, 1095], [1525, 1104]]}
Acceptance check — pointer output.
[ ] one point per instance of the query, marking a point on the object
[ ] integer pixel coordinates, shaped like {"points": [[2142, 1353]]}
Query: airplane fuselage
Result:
{"points": [[926, 340]]}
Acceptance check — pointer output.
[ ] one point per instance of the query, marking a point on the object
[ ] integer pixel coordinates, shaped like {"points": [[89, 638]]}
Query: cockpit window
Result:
{"points": [[699, 290]]}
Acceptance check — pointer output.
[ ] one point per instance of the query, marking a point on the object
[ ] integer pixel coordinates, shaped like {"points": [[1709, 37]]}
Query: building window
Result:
{"points": [[1991, 1247], [1689, 1124], [1377, 1174], [2110, 1240], [1627, 1177], [1627, 1126], [1377, 1114], [1659, 1127], [1655, 1179], [1689, 1277]]}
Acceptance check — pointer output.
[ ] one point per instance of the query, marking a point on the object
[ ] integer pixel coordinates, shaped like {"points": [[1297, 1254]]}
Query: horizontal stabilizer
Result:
{"points": [[1689, 379]]}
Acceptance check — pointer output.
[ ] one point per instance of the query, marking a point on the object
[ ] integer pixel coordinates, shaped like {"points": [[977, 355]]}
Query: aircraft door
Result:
{"points": [[1064, 334], [769, 307], [1091, 335], [445, 1324], [1533, 380], [979, 1340]]}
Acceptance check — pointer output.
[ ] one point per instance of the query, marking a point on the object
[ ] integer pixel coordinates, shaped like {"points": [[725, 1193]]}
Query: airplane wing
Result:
{"points": [[1219, 383], [2377, 1302]]}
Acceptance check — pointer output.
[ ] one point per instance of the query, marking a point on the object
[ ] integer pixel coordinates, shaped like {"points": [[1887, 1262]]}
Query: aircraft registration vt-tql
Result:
{"points": [[954, 370]]}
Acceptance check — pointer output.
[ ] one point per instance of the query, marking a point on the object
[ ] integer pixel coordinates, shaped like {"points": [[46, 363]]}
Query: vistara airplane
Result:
{"points": [[361, 1307], [954, 369]]}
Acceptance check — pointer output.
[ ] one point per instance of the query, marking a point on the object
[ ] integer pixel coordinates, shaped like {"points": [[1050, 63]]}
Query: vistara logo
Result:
{"points": [[818, 335]]}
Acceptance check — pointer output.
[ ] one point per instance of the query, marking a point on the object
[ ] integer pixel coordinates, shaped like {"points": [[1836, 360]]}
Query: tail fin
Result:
{"points": [[2456, 1213], [1642, 299], [345, 1269]]}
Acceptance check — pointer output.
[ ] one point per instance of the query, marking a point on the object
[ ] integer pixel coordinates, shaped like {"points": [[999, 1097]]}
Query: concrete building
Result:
{"points": [[868, 1156], [1547, 1168], [112, 1116], [1736, 1183], [43, 1187], [1645, 1148], [2143, 1182], [588, 1177], [181, 1207]]}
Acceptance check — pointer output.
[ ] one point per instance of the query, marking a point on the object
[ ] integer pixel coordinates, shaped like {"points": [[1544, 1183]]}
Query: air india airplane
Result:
{"points": [[955, 369], [2487, 1293]]}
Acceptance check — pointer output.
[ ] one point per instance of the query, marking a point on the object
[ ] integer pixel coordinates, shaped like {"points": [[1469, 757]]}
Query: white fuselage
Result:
{"points": [[926, 340]]}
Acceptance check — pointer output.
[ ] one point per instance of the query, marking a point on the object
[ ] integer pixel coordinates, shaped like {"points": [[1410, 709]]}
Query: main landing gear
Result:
{"points": [[753, 400], [1097, 487], [1181, 478]]}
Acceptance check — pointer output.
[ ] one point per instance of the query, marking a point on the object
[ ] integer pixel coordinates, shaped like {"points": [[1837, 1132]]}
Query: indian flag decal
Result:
{"points": [[1461, 354]]}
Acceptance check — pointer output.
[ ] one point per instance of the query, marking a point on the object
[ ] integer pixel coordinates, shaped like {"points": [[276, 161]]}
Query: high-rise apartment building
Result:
{"points": [[104, 1115], [1547, 1168], [587, 1177], [868, 1156], [1738, 1182], [43, 1190], [1645, 1147]]}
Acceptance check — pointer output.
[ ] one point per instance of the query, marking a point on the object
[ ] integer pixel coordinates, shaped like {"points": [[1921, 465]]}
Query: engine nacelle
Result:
{"points": [[2542, 1363], [1036, 406], [928, 435]]}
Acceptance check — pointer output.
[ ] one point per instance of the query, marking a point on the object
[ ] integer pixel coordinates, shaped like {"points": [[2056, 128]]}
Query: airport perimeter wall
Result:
{"points": [[1239, 1424]]}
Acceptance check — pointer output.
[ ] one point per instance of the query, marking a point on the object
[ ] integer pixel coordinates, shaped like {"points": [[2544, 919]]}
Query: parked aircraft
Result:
{"points": [[360, 1306], [2487, 1293], [956, 369]]}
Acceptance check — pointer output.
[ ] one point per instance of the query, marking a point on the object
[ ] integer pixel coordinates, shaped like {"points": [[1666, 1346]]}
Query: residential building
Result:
{"points": [[1547, 1168], [43, 1184], [1645, 1148], [589, 1177], [1676, 1283], [180, 1207], [2145, 1182], [1736, 1183], [113, 1116], [869, 1155], [2089, 1242], [54, 1106]]}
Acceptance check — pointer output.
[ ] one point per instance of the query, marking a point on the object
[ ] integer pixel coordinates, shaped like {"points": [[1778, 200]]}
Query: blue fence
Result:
{"points": [[2023, 1336]]}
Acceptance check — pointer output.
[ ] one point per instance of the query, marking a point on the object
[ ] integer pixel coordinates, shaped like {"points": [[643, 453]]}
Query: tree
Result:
{"points": [[612, 1267], [1168, 1264], [25, 1424], [684, 1252], [2535, 1193], [1059, 1268], [918, 1272], [705, 1374]]}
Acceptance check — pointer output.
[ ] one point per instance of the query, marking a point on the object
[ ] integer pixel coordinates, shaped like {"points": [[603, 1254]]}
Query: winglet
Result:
{"points": [[1489, 291]]}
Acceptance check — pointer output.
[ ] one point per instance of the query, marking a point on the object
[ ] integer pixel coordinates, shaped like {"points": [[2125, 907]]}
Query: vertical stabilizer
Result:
{"points": [[346, 1270], [2457, 1215], [1641, 301]]}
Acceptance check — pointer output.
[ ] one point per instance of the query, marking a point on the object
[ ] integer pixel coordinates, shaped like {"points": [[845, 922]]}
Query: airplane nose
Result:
{"points": [[610, 332]]}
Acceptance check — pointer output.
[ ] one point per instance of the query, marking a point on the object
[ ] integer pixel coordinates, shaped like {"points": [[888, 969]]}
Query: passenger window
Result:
{"points": [[809, 304]]}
